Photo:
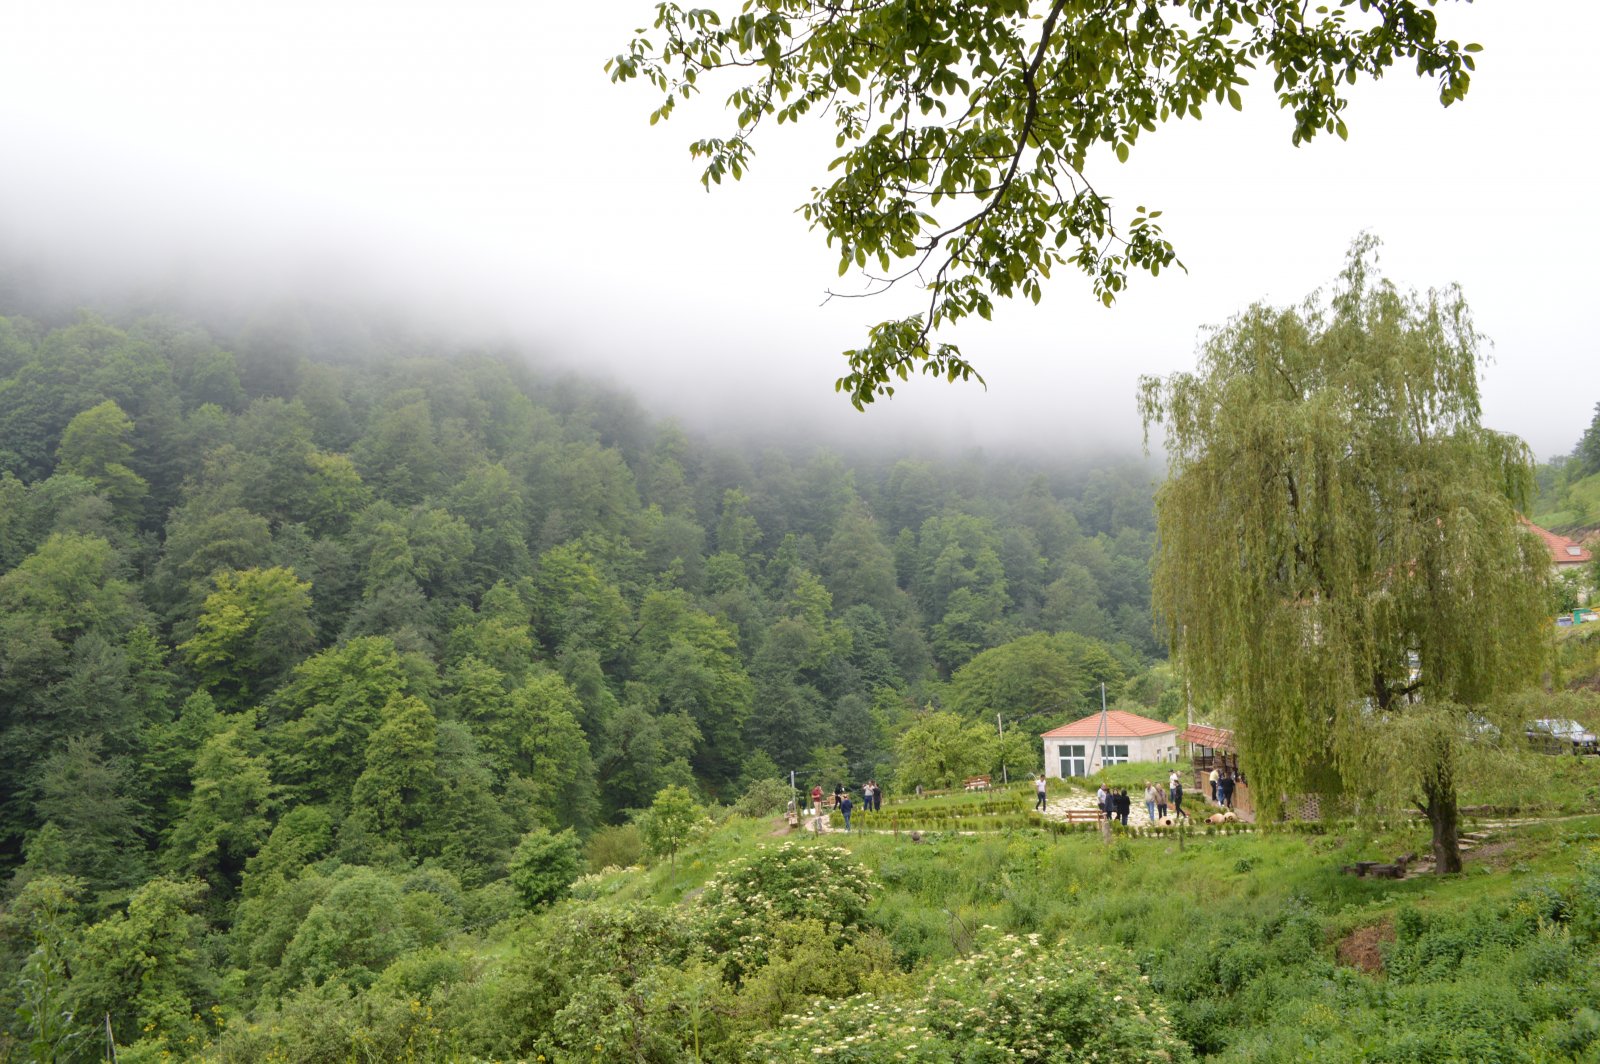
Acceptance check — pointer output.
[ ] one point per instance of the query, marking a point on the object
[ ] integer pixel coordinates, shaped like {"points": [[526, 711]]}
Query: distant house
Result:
{"points": [[1567, 559], [1565, 555], [1087, 745]]}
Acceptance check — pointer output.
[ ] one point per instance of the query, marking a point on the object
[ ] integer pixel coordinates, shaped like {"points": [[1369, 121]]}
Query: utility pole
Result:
{"points": [[1000, 730], [1099, 732], [1099, 739]]}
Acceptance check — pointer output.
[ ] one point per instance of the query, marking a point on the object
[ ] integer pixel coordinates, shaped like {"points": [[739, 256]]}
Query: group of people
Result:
{"points": [[1222, 786], [1157, 801], [844, 804], [1115, 804]]}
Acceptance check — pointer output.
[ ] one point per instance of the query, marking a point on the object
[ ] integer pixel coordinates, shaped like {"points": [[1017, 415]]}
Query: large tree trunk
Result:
{"points": [[1440, 808]]}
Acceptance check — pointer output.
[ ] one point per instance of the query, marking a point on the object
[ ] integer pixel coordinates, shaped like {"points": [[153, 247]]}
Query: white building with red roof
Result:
{"points": [[1565, 555], [1113, 738]]}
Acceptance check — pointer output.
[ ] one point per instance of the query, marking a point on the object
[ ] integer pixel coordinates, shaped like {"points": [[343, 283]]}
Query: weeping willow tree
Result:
{"points": [[1341, 560]]}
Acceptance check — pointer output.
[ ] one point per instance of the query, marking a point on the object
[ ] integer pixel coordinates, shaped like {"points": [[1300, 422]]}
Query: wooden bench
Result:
{"points": [[977, 783], [1379, 870], [1081, 816]]}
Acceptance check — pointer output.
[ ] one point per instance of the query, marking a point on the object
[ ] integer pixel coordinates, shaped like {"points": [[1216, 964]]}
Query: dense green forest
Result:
{"points": [[290, 611], [1569, 503], [1569, 486], [368, 699]]}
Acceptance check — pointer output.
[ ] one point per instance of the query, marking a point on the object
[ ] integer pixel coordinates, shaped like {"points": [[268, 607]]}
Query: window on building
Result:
{"points": [[1114, 754], [1074, 761]]}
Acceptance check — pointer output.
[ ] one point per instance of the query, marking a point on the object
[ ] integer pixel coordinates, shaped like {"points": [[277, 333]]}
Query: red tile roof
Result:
{"points": [[1204, 735], [1118, 723], [1562, 550]]}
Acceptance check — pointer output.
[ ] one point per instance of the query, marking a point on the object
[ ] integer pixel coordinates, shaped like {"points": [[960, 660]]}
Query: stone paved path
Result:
{"points": [[1056, 808]]}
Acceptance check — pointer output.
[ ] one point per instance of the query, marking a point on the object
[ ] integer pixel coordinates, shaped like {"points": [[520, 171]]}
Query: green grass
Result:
{"points": [[1239, 933], [1135, 775]]}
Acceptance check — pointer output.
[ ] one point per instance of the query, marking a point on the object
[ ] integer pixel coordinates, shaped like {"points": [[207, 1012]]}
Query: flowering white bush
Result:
{"points": [[1012, 1000], [740, 908]]}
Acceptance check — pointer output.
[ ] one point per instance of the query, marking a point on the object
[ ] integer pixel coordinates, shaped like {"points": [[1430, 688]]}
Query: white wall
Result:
{"points": [[1148, 748]]}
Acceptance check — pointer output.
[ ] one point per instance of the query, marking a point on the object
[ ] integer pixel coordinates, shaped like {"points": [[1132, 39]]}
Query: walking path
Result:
{"points": [[1056, 808]]}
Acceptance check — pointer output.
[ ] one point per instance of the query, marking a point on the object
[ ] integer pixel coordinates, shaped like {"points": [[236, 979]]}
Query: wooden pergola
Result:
{"points": [[1210, 748]]}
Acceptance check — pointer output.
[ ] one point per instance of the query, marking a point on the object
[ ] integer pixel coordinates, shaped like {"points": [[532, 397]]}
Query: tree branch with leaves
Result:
{"points": [[966, 129]]}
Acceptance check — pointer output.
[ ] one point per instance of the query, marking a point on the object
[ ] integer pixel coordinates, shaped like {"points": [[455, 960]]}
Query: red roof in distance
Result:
{"points": [[1118, 722], [1205, 735], [1562, 550]]}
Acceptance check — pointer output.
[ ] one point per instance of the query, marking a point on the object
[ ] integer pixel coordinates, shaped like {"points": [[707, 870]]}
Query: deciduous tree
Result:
{"points": [[252, 630], [98, 445], [966, 129], [1341, 562], [669, 820]]}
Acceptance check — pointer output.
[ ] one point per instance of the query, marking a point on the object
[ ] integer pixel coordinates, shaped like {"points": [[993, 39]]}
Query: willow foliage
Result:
{"points": [[1340, 546]]}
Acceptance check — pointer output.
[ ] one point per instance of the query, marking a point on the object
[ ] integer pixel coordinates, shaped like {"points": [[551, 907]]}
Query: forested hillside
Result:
{"points": [[288, 598], [1569, 486]]}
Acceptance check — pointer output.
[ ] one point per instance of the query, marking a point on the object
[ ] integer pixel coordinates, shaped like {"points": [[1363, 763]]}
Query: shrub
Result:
{"points": [[1012, 999], [330, 1025], [621, 846], [597, 885], [667, 1015], [416, 974], [765, 797], [363, 923], [544, 866], [489, 904], [575, 954], [740, 908]]}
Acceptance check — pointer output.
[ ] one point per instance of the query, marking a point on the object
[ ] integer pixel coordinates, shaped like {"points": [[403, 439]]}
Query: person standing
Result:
{"points": [[838, 794], [1041, 791], [845, 807], [1152, 797], [816, 797], [1102, 798], [1177, 797], [1214, 778], [1124, 804]]}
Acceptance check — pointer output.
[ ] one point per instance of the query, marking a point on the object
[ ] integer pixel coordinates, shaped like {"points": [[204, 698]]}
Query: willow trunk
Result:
{"points": [[1440, 806]]}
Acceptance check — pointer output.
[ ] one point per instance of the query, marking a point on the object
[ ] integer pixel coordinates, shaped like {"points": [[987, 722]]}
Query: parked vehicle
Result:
{"points": [[1555, 736]]}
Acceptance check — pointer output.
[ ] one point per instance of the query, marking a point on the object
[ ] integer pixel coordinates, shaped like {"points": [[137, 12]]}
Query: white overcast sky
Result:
{"points": [[472, 155]]}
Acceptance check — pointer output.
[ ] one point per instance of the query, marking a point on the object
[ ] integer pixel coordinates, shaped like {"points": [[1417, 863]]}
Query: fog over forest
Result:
{"points": [[448, 613], [476, 169]]}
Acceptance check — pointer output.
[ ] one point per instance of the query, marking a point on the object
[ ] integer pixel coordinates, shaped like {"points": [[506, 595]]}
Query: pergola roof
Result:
{"points": [[1205, 735]]}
